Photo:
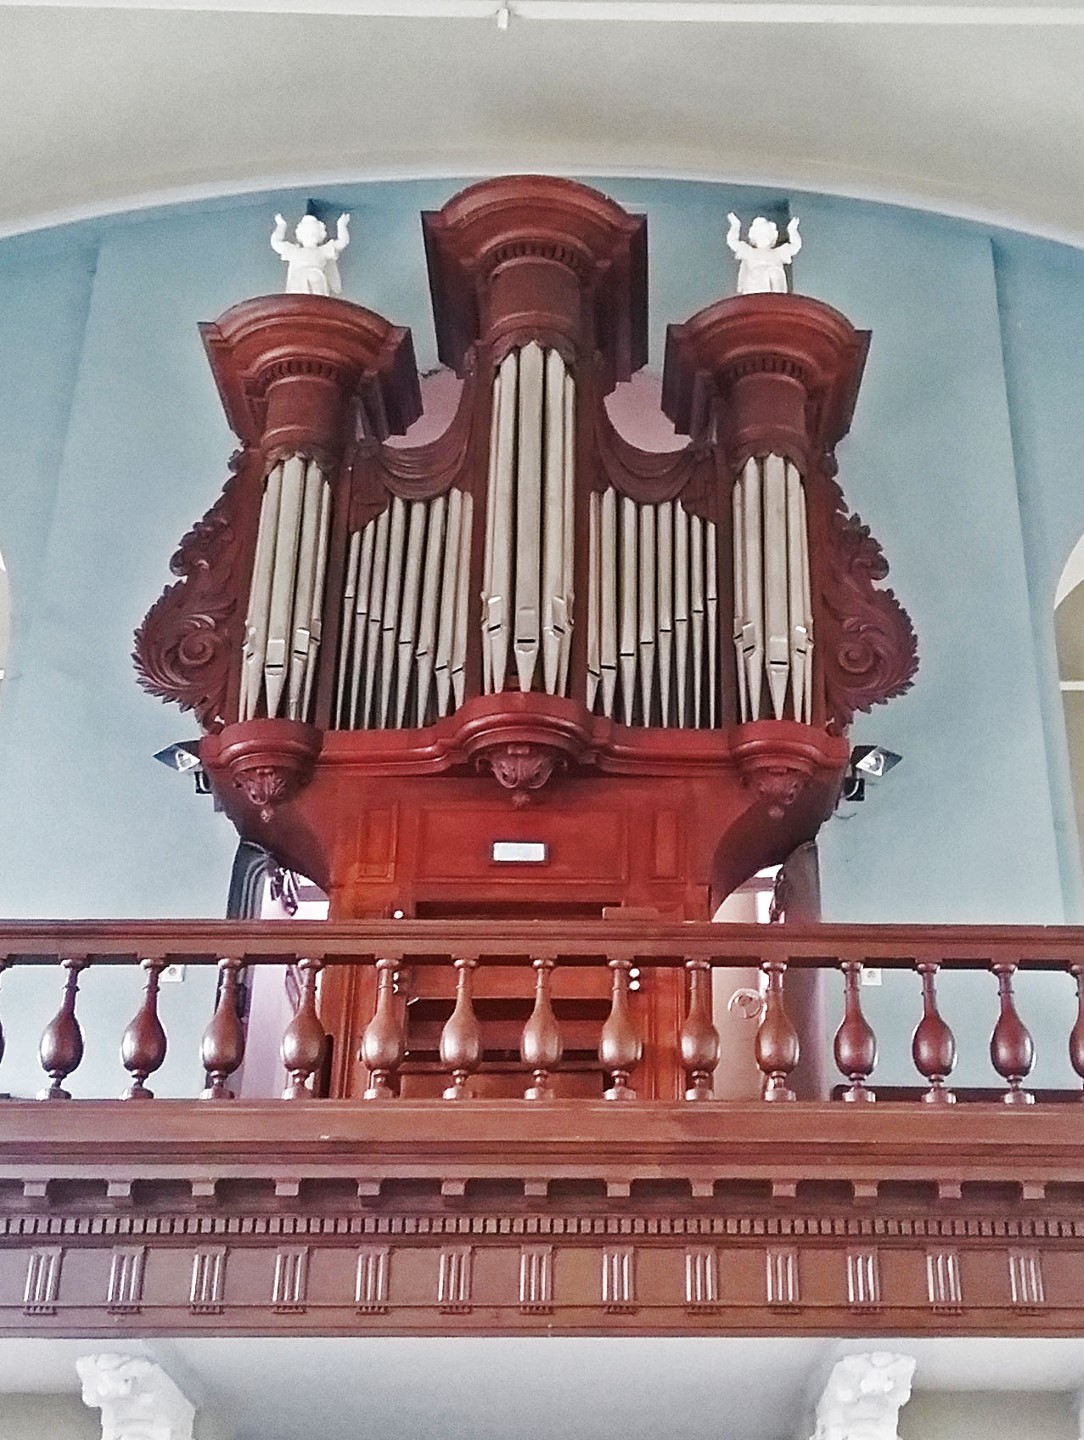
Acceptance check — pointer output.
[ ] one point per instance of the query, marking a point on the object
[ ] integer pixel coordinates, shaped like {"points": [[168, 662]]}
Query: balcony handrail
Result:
{"points": [[574, 942], [623, 946]]}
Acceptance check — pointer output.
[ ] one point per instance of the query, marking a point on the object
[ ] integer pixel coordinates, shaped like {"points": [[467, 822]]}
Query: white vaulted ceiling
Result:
{"points": [[975, 110]]}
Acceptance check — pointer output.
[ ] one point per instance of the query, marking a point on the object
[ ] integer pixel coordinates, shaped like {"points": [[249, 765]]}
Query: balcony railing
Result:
{"points": [[542, 949], [396, 1213]]}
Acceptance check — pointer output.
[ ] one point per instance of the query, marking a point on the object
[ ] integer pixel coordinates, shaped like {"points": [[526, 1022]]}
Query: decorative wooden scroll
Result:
{"points": [[186, 647]]}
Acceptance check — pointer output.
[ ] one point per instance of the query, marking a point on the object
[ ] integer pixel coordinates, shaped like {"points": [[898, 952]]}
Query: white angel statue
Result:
{"points": [[313, 263], [763, 267]]}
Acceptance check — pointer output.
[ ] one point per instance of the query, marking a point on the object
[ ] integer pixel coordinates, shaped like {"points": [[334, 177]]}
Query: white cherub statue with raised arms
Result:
{"points": [[313, 263], [763, 267]]}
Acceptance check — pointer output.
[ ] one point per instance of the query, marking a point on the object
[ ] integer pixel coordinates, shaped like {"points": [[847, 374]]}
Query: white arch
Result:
{"points": [[1072, 574]]}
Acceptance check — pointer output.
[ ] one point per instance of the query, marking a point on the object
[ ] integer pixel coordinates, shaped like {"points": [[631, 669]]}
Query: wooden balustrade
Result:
{"points": [[542, 950]]}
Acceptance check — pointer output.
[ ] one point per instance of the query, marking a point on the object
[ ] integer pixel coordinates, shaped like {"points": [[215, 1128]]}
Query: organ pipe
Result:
{"points": [[411, 586], [655, 625], [286, 593], [773, 613], [527, 567]]}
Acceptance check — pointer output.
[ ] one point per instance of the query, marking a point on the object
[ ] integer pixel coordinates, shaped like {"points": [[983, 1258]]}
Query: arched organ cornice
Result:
{"points": [[530, 597]]}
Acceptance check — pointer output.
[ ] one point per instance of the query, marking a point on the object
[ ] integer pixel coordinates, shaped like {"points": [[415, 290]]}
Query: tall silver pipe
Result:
{"points": [[449, 588], [569, 531], [681, 609], [259, 604], [665, 594], [283, 581], [629, 572], [527, 635], [553, 523], [316, 611], [304, 583], [696, 607], [350, 600], [712, 620], [489, 555], [753, 628], [498, 616], [408, 612], [431, 601], [462, 602], [594, 600], [376, 617], [361, 620], [648, 622], [393, 589], [776, 624], [608, 608]]}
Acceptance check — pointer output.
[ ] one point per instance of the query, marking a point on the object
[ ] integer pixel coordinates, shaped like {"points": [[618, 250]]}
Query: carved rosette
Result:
{"points": [[269, 761]]}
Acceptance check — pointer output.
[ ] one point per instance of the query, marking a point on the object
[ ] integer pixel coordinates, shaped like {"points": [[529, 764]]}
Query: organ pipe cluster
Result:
{"points": [[652, 613], [403, 651], [773, 613], [286, 597], [527, 584]]}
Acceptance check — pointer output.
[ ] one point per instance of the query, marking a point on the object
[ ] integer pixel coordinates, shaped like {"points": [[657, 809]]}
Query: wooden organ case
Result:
{"points": [[630, 671]]}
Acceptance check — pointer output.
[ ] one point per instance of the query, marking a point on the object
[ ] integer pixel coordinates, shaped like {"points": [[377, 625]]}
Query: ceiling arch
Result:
{"points": [[108, 109]]}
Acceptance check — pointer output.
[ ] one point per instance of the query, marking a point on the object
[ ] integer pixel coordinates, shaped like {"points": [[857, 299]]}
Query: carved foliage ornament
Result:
{"points": [[522, 766], [869, 652], [187, 643]]}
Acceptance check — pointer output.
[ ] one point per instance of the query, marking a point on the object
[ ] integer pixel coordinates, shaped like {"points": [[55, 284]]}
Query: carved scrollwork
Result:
{"points": [[187, 642], [869, 650]]}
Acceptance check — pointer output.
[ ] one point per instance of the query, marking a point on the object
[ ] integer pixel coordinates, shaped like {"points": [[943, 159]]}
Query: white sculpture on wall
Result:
{"points": [[863, 1397], [313, 262], [763, 261], [137, 1398]]}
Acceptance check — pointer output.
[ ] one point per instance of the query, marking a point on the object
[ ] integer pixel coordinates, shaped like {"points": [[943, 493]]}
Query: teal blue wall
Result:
{"points": [[962, 459]]}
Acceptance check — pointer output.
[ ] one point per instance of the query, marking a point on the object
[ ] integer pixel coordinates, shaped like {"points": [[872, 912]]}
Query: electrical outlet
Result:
{"points": [[871, 975], [173, 974]]}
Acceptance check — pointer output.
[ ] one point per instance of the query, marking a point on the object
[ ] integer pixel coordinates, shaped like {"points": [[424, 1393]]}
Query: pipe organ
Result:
{"points": [[529, 636]]}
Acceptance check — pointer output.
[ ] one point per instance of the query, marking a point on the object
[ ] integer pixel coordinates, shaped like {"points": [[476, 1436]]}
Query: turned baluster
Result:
{"points": [[540, 1047], [383, 1045], [61, 1047], [1076, 1035], [620, 1046], [855, 1044], [699, 1037], [933, 1045], [223, 1046], [777, 1047], [305, 1038], [461, 1038], [143, 1044], [1012, 1050]]}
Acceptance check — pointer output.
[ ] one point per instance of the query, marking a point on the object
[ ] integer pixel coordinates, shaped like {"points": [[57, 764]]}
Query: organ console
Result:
{"points": [[631, 670]]}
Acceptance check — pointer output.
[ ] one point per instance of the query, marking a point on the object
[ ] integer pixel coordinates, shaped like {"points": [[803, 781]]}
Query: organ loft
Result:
{"points": [[527, 669]]}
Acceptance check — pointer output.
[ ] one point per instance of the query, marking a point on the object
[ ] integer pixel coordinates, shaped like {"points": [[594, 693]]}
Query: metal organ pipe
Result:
{"points": [[286, 595], [656, 624], [773, 613], [498, 559], [527, 568], [411, 588]]}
